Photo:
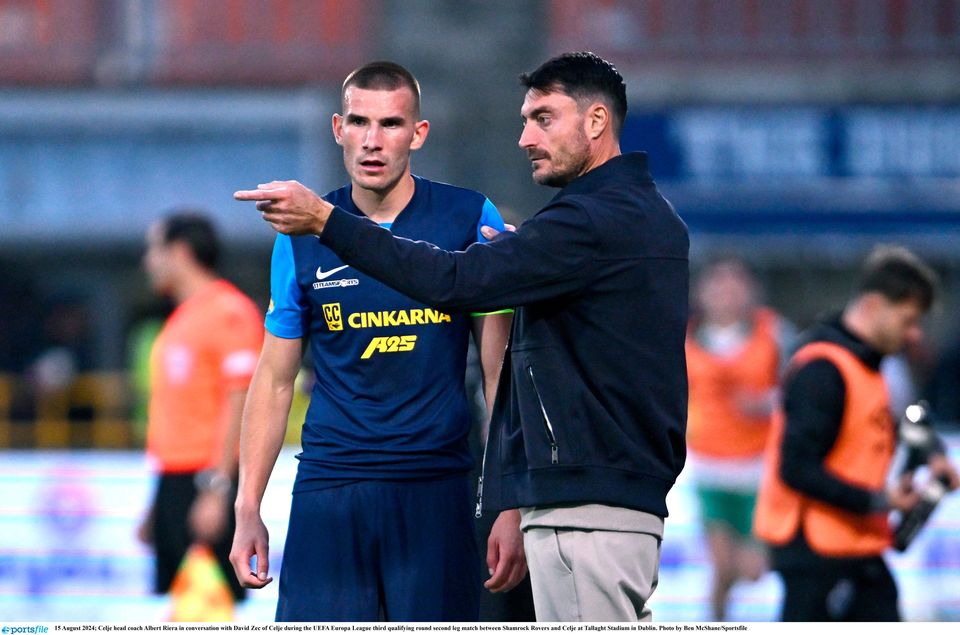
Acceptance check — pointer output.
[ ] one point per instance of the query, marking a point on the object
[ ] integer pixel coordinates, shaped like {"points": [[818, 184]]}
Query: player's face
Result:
{"points": [[897, 325], [726, 294], [554, 137], [378, 130], [158, 260]]}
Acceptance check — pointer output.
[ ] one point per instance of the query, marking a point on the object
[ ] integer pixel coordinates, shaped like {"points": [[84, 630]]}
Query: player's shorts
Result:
{"points": [[372, 550], [731, 508]]}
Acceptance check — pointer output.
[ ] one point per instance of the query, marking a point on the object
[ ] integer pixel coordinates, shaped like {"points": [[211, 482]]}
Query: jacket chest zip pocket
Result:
{"points": [[547, 426]]}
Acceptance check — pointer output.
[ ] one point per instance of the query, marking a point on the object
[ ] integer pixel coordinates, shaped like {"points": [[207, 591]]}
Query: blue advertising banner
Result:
{"points": [[798, 143]]}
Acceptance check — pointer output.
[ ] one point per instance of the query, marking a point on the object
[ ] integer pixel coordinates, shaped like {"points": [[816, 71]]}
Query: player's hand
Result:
{"points": [[251, 539], [940, 466], [755, 405], [145, 529], [490, 233], [505, 557], [208, 516], [902, 495], [290, 207]]}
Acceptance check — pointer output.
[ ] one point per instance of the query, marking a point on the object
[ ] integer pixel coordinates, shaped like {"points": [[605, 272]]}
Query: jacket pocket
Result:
{"points": [[547, 425]]}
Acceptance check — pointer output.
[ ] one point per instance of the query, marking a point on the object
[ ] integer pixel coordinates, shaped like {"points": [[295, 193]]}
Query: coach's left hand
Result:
{"points": [[289, 206], [505, 558]]}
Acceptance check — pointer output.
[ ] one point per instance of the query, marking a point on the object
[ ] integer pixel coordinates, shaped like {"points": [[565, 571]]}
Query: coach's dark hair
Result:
{"points": [[194, 229], [383, 75], [582, 76], [899, 275]]}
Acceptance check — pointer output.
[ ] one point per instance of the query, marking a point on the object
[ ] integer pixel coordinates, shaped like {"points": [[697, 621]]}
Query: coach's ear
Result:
{"points": [[420, 131], [597, 120]]}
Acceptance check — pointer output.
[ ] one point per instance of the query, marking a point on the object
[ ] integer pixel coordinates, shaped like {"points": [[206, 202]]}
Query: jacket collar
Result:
{"points": [[632, 166]]}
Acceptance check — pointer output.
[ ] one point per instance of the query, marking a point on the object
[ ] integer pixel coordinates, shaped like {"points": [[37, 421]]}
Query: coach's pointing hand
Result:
{"points": [[290, 207]]}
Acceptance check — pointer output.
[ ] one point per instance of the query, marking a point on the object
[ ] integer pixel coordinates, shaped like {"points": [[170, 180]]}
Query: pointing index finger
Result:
{"points": [[256, 195]]}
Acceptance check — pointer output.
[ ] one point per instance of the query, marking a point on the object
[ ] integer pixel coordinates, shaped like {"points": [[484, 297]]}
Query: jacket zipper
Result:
{"points": [[483, 468], [554, 450]]}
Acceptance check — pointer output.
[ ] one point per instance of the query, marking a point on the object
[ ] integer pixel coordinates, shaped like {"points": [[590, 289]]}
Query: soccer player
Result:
{"points": [[200, 367], [588, 427], [381, 524]]}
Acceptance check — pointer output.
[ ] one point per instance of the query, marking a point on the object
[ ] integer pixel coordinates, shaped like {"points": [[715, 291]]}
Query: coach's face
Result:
{"points": [[378, 130], [554, 137]]}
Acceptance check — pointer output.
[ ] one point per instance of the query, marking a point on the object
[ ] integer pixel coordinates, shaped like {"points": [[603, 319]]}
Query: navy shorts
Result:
{"points": [[373, 550]]}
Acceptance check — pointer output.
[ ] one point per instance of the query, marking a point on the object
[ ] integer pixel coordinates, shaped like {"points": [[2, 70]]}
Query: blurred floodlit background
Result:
{"points": [[797, 133]]}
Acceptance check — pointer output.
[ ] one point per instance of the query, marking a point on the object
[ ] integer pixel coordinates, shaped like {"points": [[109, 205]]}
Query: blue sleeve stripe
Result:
{"points": [[490, 217], [285, 317]]}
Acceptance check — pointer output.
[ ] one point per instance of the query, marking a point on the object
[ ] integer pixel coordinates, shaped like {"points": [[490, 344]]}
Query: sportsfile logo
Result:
{"points": [[391, 344], [14, 630], [333, 316]]}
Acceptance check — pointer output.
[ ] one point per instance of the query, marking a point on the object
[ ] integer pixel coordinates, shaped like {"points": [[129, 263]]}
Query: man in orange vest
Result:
{"points": [[735, 349], [200, 367], [824, 501]]}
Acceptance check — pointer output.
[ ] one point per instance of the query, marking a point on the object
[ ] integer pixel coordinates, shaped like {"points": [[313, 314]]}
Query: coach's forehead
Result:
{"points": [[536, 100]]}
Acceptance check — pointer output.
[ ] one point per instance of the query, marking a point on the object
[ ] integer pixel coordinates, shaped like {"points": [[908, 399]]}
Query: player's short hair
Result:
{"points": [[729, 260], [194, 229], [383, 75], [899, 275], [584, 76]]}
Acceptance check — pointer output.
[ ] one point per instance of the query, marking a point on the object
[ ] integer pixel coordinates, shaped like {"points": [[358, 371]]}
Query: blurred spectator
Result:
{"points": [[63, 350], [734, 354], [200, 367], [67, 348]]}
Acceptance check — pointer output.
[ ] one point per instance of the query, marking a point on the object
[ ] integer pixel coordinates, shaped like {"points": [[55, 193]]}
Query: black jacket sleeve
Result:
{"points": [[549, 256], [813, 402]]}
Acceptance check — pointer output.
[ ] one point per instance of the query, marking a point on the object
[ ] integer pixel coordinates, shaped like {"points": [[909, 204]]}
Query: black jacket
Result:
{"points": [[592, 401]]}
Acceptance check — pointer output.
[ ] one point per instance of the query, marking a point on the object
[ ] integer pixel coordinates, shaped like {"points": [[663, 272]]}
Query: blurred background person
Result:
{"points": [[200, 367], [824, 501], [735, 348]]}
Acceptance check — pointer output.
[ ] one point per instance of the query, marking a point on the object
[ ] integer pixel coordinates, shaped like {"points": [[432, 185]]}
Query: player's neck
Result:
{"points": [[191, 283], [384, 206], [856, 319]]}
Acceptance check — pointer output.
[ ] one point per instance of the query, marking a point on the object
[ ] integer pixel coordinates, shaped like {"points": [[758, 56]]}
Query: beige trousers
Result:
{"points": [[582, 575]]}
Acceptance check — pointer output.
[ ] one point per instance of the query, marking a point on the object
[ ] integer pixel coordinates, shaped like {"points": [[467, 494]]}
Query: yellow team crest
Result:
{"points": [[333, 316]]}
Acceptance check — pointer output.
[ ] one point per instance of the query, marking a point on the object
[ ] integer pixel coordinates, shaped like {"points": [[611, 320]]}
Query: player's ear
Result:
{"points": [[420, 131], [337, 124]]}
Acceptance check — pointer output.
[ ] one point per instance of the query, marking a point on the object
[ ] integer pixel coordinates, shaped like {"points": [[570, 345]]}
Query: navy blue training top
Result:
{"points": [[389, 399]]}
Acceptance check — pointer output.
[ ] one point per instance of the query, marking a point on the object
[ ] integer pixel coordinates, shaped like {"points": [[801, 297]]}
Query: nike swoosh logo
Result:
{"points": [[321, 274]]}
